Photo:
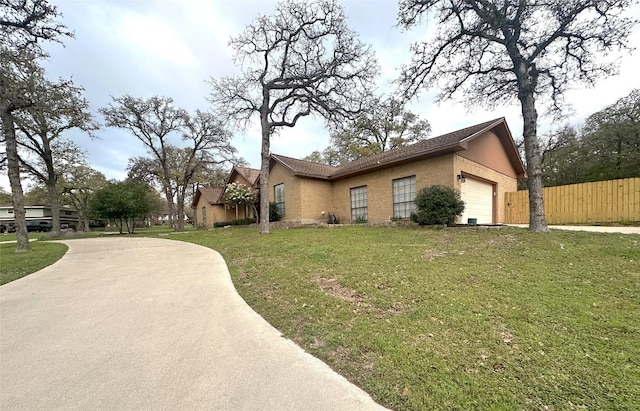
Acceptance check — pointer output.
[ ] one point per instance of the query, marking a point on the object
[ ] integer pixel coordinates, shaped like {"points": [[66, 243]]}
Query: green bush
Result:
{"points": [[274, 215], [437, 205]]}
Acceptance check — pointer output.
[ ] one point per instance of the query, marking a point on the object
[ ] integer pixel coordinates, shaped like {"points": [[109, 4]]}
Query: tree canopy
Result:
{"points": [[55, 108], [123, 203], [605, 147], [387, 125], [77, 184]]}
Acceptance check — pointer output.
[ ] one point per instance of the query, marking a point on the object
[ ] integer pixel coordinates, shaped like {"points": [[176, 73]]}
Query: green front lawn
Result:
{"points": [[466, 318], [453, 319], [16, 265]]}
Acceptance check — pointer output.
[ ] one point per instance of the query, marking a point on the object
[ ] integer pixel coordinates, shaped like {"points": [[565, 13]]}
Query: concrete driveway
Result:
{"points": [[151, 324]]}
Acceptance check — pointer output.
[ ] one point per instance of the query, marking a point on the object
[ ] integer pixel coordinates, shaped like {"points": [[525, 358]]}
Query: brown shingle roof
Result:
{"points": [[250, 174], [305, 168], [449, 142], [212, 195], [445, 142]]}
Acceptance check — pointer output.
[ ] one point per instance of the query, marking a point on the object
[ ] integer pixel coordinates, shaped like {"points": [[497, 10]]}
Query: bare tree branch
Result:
{"points": [[303, 60]]}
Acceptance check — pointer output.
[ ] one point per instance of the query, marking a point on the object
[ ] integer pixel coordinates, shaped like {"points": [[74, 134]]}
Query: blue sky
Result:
{"points": [[171, 47]]}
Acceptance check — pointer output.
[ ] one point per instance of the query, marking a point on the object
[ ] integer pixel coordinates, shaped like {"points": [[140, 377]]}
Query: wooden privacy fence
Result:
{"points": [[598, 202]]}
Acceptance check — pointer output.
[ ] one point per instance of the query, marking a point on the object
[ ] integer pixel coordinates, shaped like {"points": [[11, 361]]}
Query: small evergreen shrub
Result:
{"points": [[437, 205], [274, 215]]}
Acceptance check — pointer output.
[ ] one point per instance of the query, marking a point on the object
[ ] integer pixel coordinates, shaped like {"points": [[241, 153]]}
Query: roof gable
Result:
{"points": [[249, 174], [211, 195], [445, 143]]}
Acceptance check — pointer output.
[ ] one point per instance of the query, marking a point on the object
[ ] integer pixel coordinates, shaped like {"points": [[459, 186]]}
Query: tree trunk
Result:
{"points": [[537, 220], [180, 215], [51, 182], [264, 174], [83, 220], [13, 164], [55, 209], [84, 224], [171, 206]]}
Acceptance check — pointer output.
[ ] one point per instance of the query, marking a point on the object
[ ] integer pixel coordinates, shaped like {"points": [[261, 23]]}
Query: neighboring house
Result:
{"points": [[163, 218], [481, 161], [209, 205], [68, 216]]}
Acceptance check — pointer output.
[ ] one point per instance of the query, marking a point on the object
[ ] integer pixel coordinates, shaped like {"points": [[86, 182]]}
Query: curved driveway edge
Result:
{"points": [[150, 324]]}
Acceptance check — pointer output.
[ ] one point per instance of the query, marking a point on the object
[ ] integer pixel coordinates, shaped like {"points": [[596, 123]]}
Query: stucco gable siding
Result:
{"points": [[489, 151]]}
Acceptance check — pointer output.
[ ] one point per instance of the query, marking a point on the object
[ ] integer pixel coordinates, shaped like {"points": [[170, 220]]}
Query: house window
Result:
{"points": [[359, 203], [204, 216], [404, 193], [279, 195]]}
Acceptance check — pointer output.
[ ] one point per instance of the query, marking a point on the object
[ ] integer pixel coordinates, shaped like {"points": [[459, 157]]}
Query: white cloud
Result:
{"points": [[153, 41]]}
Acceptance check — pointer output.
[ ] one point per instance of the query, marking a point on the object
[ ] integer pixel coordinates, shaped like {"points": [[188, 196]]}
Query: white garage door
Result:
{"points": [[478, 201]]}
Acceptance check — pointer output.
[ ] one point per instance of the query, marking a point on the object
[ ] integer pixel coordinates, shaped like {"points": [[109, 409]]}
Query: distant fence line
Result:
{"points": [[598, 202]]}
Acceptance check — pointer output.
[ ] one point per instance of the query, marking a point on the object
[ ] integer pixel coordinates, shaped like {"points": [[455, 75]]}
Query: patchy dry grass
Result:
{"points": [[455, 318]]}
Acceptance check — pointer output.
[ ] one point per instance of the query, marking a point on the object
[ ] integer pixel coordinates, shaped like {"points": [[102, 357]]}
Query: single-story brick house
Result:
{"points": [[481, 161], [208, 203]]}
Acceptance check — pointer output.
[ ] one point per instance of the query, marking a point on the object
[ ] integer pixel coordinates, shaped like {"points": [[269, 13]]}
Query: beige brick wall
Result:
{"points": [[316, 196], [292, 195], [379, 186], [305, 199], [503, 183]]}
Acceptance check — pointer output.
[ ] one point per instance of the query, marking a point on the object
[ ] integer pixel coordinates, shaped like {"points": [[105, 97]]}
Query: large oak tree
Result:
{"points": [[55, 108], [531, 51], [300, 61], [24, 25], [160, 126]]}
